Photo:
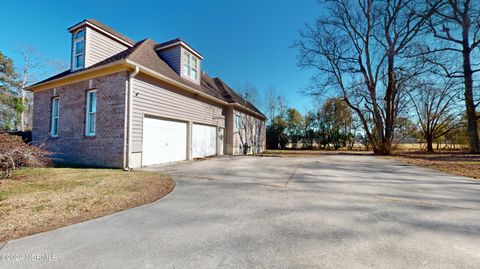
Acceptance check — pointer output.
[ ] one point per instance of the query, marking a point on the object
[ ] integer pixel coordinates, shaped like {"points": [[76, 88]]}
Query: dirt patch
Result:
{"points": [[40, 199], [457, 163]]}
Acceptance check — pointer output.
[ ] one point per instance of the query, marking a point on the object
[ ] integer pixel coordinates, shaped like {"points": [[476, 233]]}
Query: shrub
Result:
{"points": [[15, 153]]}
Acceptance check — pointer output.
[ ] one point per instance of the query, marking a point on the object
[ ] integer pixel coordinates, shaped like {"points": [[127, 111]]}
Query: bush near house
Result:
{"points": [[15, 153]]}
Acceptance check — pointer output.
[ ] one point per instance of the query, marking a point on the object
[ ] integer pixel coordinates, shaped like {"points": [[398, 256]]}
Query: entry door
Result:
{"points": [[204, 140], [163, 141]]}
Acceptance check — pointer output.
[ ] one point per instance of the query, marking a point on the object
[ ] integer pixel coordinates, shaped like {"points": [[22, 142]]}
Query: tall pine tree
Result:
{"points": [[10, 103]]}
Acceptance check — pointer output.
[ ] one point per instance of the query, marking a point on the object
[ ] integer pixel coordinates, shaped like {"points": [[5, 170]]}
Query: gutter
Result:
{"points": [[95, 72], [128, 166], [164, 78], [88, 70]]}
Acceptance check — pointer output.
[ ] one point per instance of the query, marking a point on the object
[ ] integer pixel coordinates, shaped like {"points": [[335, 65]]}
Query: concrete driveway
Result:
{"points": [[334, 211]]}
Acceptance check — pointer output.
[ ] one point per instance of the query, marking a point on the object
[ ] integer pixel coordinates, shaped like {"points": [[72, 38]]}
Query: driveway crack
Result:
{"points": [[2, 245], [293, 173]]}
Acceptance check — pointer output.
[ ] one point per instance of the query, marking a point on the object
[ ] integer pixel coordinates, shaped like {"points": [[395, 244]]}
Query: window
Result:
{"points": [[79, 49], [91, 112], [55, 114], [238, 121], [190, 65]]}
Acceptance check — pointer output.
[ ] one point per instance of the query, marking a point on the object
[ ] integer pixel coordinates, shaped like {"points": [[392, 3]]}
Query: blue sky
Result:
{"points": [[242, 41]]}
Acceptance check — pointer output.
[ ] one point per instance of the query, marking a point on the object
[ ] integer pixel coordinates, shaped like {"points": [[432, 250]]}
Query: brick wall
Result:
{"points": [[107, 148]]}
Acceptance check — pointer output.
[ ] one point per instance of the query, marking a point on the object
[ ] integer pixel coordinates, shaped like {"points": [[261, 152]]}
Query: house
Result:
{"points": [[129, 104]]}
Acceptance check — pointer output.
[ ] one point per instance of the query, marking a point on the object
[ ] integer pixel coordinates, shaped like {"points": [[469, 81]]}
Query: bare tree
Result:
{"points": [[271, 105], [249, 93], [30, 65], [456, 26], [434, 106], [275, 104], [250, 133], [357, 49], [33, 66]]}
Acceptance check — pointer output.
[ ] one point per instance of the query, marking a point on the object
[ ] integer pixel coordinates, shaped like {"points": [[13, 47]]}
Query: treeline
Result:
{"points": [[331, 127], [432, 123], [15, 101], [392, 60]]}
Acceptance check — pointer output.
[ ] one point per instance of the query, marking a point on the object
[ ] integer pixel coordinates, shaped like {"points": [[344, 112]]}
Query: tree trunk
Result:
{"points": [[382, 148], [24, 84], [429, 144], [469, 101], [22, 113], [387, 139], [471, 115]]}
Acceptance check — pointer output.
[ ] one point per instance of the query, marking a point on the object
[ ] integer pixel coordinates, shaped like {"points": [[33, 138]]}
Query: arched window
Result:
{"points": [[79, 49]]}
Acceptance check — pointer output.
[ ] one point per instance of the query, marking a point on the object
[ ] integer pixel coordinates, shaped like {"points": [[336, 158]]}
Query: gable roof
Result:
{"points": [[143, 53], [104, 27], [178, 41]]}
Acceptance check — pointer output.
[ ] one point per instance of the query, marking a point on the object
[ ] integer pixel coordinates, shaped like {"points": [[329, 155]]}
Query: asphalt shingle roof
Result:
{"points": [[107, 29], [169, 42], [143, 53]]}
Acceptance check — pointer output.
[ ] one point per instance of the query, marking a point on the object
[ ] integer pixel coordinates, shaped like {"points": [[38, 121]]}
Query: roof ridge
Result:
{"points": [[222, 84], [230, 90], [137, 46], [143, 52], [237, 97], [105, 28]]}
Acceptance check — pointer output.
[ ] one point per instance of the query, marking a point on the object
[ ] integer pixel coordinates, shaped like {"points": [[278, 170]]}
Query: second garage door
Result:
{"points": [[163, 141], [204, 140]]}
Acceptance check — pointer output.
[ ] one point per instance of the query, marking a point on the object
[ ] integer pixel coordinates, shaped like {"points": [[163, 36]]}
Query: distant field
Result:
{"points": [[423, 146], [397, 147], [457, 162]]}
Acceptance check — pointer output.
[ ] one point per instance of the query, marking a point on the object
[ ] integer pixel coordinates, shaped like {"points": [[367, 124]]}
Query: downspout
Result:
{"points": [[129, 123]]}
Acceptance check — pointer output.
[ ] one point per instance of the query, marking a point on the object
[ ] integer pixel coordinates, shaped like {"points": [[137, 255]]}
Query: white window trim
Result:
{"points": [[193, 69], [87, 118], [75, 41], [52, 116], [190, 69], [238, 121]]}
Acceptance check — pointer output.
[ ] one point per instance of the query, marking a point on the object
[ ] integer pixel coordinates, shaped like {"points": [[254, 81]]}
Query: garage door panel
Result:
{"points": [[164, 141], [204, 140]]}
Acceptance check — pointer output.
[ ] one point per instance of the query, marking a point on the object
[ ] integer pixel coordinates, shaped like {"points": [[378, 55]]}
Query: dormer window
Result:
{"points": [[79, 49], [190, 65]]}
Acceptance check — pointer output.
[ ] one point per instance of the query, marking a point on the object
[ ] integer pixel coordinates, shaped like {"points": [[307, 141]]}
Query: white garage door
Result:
{"points": [[163, 141], [204, 140]]}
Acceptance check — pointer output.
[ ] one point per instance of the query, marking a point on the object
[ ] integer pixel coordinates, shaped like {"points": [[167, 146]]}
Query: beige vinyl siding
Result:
{"points": [[100, 47], [158, 99], [254, 135], [172, 57]]}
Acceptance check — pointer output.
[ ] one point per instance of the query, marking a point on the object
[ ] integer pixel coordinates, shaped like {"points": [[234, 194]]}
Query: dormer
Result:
{"points": [[182, 58], [93, 42]]}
